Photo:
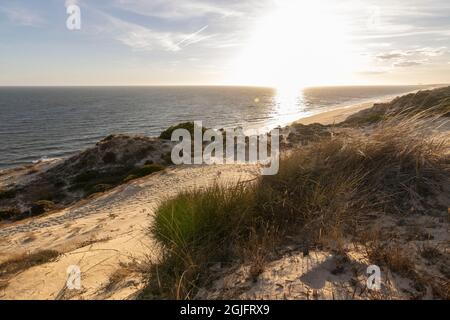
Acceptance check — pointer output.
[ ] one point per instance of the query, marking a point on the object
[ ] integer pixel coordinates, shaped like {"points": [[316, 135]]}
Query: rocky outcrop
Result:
{"points": [[112, 161]]}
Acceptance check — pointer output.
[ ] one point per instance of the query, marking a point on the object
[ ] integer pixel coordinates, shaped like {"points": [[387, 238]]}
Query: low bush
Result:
{"points": [[190, 126], [89, 180]]}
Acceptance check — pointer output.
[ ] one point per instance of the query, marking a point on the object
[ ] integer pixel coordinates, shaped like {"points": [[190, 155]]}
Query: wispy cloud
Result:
{"points": [[391, 55], [71, 2], [412, 57], [173, 9], [408, 63], [22, 16], [430, 52], [141, 38]]}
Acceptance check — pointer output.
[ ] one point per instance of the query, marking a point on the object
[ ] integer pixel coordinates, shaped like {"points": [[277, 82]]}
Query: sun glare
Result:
{"points": [[299, 43]]}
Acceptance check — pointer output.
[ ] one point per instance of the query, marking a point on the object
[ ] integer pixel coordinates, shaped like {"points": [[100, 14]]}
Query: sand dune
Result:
{"points": [[100, 235]]}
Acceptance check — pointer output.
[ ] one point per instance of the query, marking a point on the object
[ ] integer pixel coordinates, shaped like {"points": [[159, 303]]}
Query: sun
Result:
{"points": [[299, 43]]}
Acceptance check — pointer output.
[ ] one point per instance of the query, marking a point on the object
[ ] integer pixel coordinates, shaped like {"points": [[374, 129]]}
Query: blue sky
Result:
{"points": [[253, 42]]}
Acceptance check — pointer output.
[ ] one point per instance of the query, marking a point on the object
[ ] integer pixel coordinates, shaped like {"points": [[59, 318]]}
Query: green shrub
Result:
{"points": [[88, 180], [99, 181], [190, 126], [196, 228], [202, 217]]}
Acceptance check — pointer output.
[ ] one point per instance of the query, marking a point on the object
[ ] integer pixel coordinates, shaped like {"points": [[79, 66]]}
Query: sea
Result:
{"points": [[39, 123]]}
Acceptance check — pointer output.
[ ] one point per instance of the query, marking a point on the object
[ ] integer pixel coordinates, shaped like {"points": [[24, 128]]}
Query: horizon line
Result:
{"points": [[214, 85]]}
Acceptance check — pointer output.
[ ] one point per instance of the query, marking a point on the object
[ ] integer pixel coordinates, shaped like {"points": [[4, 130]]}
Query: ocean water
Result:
{"points": [[42, 122]]}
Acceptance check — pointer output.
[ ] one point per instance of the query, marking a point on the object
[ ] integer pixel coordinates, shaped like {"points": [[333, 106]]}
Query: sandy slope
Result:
{"points": [[100, 235]]}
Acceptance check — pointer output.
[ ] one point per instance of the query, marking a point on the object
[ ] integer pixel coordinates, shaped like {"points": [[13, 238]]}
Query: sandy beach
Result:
{"points": [[336, 115]]}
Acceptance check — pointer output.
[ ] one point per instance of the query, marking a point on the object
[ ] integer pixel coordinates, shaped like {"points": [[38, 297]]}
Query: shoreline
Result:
{"points": [[332, 116], [339, 114]]}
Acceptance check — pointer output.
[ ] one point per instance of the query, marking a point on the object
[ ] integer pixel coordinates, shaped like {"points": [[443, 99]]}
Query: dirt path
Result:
{"points": [[101, 236]]}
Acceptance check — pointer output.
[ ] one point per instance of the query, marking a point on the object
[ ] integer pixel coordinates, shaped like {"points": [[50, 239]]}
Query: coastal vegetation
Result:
{"points": [[319, 197], [336, 185], [189, 126], [25, 261], [427, 103]]}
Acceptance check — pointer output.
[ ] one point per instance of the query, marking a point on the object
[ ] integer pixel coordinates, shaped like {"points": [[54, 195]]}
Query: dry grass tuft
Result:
{"points": [[26, 261], [393, 257], [430, 253]]}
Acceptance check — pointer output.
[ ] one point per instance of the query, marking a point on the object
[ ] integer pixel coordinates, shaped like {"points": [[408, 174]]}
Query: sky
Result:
{"points": [[279, 43]]}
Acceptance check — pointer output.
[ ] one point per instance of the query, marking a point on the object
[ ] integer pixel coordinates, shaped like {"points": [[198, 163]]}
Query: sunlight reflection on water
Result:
{"points": [[289, 105]]}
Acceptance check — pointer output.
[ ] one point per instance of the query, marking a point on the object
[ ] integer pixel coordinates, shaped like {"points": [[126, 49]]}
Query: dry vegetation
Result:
{"points": [[332, 181], [320, 193], [23, 262]]}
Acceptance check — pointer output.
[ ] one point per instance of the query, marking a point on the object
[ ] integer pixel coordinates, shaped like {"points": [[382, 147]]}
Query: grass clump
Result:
{"points": [[197, 229], [189, 126], [391, 256], [319, 192]]}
